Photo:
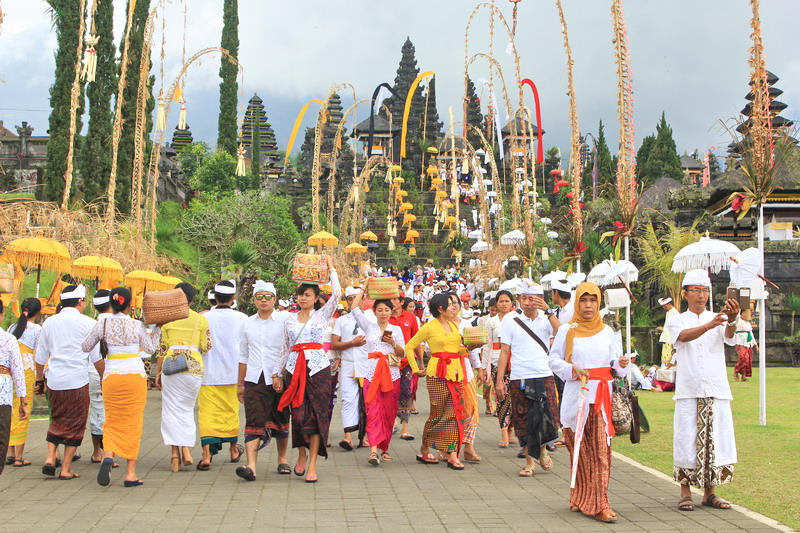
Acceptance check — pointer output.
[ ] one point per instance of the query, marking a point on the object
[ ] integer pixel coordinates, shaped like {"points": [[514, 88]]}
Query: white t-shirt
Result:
{"points": [[528, 358]]}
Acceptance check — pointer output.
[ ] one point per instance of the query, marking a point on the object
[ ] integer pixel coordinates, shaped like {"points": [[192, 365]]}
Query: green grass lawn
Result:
{"points": [[769, 457]]}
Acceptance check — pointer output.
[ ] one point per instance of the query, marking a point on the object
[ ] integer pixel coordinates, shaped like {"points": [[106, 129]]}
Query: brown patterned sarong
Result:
{"points": [[590, 494], [69, 410], [504, 407], [5, 432], [313, 415], [444, 429], [263, 420], [406, 394]]}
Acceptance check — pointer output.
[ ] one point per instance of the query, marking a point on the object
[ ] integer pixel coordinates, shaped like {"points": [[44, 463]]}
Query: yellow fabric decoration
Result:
{"points": [[408, 109], [296, 127]]}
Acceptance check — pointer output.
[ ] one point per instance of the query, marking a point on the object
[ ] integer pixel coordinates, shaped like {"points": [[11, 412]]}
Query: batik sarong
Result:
{"points": [[263, 420], [590, 494], [69, 410], [313, 415]]}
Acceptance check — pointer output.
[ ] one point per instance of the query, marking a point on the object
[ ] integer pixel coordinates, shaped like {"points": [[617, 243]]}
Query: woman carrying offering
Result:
{"points": [[446, 371], [307, 370], [26, 330], [382, 375], [584, 349], [124, 384], [187, 340]]}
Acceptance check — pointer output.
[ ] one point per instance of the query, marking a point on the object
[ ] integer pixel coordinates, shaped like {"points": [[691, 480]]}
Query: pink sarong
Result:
{"points": [[381, 412]]}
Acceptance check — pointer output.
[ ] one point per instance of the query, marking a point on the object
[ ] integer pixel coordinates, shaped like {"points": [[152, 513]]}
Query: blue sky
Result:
{"points": [[689, 58]]}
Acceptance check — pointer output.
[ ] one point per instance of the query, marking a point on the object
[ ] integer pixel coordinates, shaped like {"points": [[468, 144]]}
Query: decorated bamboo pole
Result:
{"points": [[337, 147], [111, 210], [73, 106], [575, 138]]}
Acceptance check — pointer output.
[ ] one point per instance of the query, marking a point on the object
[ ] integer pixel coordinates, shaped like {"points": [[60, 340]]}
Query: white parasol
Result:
{"points": [[551, 235], [708, 253], [745, 268], [598, 274], [617, 272], [576, 278], [547, 279], [510, 285], [580, 423], [475, 234], [515, 237], [480, 246]]}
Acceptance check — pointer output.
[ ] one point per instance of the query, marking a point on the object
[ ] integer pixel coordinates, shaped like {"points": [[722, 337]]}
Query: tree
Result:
{"points": [[642, 154], [606, 165], [217, 175], [714, 167], [407, 72], [95, 161], [663, 159], [474, 117], [66, 19], [229, 87], [192, 157], [127, 139]]}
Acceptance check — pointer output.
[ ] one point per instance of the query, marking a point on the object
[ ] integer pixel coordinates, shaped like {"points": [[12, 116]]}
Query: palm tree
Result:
{"points": [[242, 255], [793, 305], [597, 250], [658, 253]]}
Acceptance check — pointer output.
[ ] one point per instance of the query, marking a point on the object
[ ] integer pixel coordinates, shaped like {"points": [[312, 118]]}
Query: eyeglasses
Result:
{"points": [[698, 291], [264, 297]]}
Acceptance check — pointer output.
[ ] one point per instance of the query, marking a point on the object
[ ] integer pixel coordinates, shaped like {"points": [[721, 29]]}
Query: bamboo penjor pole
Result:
{"points": [[73, 106]]}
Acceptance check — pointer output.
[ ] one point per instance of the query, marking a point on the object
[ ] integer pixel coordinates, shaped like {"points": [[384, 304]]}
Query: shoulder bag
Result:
{"points": [[177, 363], [103, 342]]}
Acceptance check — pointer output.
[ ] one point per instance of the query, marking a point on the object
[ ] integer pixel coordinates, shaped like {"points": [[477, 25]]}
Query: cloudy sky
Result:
{"points": [[689, 58]]}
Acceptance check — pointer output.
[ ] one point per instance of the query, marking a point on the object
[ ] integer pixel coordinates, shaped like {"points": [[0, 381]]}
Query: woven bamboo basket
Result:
{"points": [[161, 307]]}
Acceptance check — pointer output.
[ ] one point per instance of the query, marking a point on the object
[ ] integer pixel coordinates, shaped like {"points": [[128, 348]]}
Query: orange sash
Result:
{"points": [[382, 378], [294, 393], [444, 359], [602, 400]]}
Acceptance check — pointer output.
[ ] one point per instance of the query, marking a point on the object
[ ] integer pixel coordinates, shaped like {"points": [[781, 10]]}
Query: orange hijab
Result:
{"points": [[582, 327]]}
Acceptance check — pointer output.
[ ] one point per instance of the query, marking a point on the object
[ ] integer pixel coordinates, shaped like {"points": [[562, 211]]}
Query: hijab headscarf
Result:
{"points": [[583, 327]]}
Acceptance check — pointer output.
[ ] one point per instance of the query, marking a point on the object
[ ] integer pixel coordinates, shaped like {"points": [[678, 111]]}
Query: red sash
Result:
{"points": [[382, 378], [602, 400], [444, 359], [294, 393], [495, 346]]}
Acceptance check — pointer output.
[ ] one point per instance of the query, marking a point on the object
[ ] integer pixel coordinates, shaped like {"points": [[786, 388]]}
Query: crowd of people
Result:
{"points": [[292, 361]]}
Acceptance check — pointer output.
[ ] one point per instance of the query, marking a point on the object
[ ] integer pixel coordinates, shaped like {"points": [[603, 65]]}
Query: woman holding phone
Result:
{"points": [[385, 346]]}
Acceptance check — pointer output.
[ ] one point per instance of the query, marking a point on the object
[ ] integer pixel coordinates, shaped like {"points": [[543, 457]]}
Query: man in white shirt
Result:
{"points": [[97, 412], [704, 447], [535, 414], [348, 339], [218, 401], [260, 343], [562, 297], [665, 339], [60, 348]]}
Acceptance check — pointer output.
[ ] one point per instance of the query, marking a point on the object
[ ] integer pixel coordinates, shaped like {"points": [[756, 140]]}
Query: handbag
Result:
{"points": [[176, 364], [625, 411], [103, 343]]}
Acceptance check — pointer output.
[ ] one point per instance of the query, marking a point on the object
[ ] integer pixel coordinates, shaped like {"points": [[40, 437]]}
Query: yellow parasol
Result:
{"points": [[323, 238], [405, 206], [40, 253], [408, 218], [411, 235], [355, 248], [142, 280], [433, 170], [368, 236], [441, 194], [98, 268], [432, 150], [171, 281], [401, 193], [396, 168], [398, 180]]}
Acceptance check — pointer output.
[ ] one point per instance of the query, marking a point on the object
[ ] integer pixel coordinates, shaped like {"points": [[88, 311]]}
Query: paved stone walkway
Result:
{"points": [[350, 495]]}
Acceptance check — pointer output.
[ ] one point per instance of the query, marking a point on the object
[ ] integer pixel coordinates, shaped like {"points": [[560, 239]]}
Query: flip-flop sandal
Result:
{"points": [[104, 474], [284, 469], [503, 444], [203, 467], [686, 504], [550, 448], [311, 478], [716, 502], [67, 478], [246, 473], [414, 412], [559, 444], [407, 436], [527, 471], [19, 463], [49, 470], [428, 459], [299, 473], [521, 454], [472, 458], [373, 459], [239, 448], [546, 465], [453, 466], [10, 460], [134, 483], [386, 458], [76, 457], [343, 444]]}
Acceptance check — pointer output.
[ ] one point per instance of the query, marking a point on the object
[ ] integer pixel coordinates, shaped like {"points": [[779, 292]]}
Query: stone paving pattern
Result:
{"points": [[350, 496]]}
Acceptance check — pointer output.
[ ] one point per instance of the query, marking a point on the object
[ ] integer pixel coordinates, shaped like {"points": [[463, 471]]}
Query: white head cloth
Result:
{"points": [[79, 292], [526, 289], [211, 295], [351, 291], [263, 286], [224, 289], [557, 285], [697, 276], [283, 303], [100, 300], [664, 301]]}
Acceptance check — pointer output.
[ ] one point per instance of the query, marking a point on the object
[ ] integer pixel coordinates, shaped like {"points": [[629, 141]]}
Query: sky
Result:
{"points": [[689, 59]]}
